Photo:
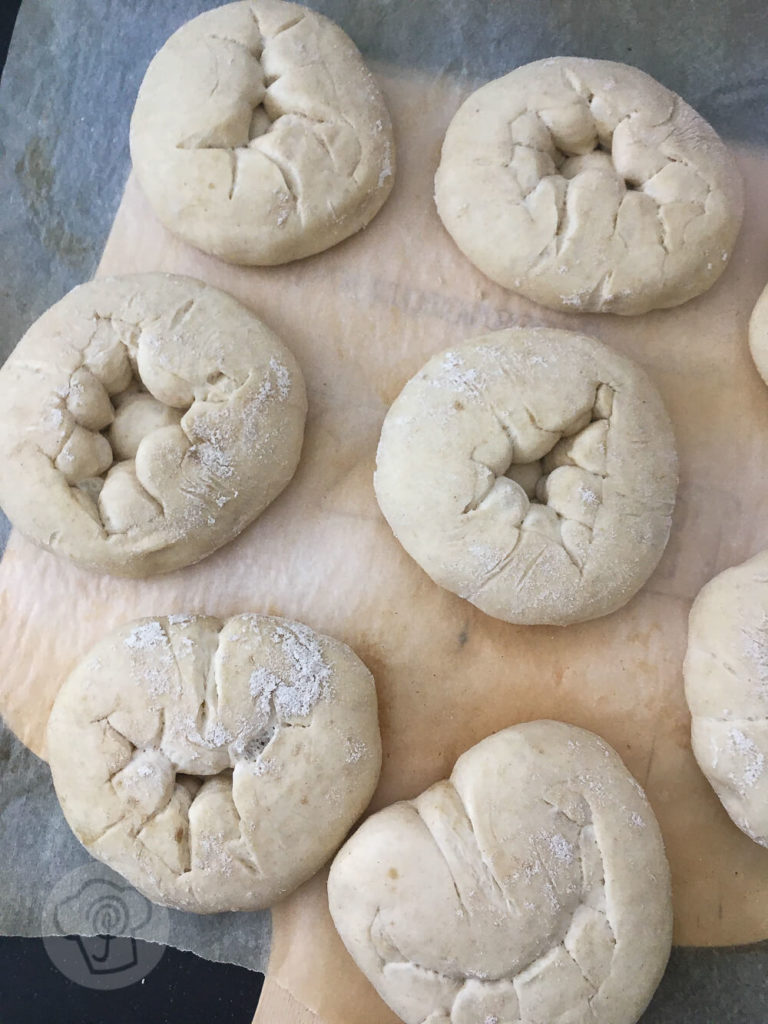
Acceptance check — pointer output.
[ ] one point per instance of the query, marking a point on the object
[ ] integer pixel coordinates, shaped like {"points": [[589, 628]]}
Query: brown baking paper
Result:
{"points": [[361, 319]]}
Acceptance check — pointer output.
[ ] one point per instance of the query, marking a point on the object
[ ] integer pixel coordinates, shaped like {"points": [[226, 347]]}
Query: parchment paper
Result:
{"points": [[361, 319], [38, 852]]}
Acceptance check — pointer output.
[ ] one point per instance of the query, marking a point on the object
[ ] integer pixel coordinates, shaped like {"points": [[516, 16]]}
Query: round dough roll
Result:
{"points": [[532, 885], [260, 136], [215, 765], [585, 185], [726, 686], [532, 472], [145, 421]]}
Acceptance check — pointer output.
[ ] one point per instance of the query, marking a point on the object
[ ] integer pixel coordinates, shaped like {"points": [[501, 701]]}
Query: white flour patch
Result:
{"points": [[561, 848], [213, 456], [309, 675], [179, 620], [453, 375], [752, 758], [282, 377], [53, 418], [217, 736], [215, 857], [146, 636], [262, 683], [294, 692], [588, 496], [355, 749], [146, 642]]}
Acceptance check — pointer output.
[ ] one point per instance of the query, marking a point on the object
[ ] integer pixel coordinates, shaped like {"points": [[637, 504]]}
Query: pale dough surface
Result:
{"points": [[758, 334], [145, 421], [586, 185], [260, 136], [531, 471], [215, 764], [529, 888], [726, 685]]}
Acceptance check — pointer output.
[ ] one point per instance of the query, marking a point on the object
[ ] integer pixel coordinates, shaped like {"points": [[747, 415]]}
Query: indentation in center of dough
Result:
{"points": [[165, 777], [125, 414], [558, 494]]}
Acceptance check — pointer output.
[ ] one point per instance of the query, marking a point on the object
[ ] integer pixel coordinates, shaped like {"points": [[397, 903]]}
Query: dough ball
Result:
{"points": [[532, 885], [260, 136], [138, 415], [532, 472], [145, 421], [586, 185], [726, 686], [215, 764]]}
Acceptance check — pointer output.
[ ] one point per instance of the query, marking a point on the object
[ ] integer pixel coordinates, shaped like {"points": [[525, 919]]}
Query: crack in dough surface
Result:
{"points": [[586, 185], [530, 887], [260, 136], [726, 686], [208, 761], [145, 421], [532, 472]]}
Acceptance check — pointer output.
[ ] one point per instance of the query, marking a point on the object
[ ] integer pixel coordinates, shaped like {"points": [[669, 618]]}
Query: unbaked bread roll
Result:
{"points": [[587, 185], [532, 472], [726, 686], [758, 334], [260, 136], [531, 886], [215, 765], [144, 422]]}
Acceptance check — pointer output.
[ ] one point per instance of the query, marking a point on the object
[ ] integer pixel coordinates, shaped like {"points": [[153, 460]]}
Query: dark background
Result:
{"points": [[182, 989], [8, 12]]}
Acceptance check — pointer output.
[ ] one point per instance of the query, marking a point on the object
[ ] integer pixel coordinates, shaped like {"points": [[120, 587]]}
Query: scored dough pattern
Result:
{"points": [[579, 957], [199, 747], [107, 423], [620, 197], [726, 686], [532, 472], [240, 132], [559, 494], [553, 150], [260, 135], [171, 772], [147, 420], [529, 888]]}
